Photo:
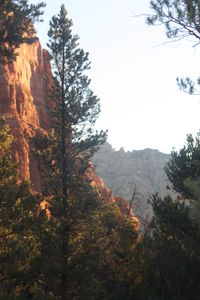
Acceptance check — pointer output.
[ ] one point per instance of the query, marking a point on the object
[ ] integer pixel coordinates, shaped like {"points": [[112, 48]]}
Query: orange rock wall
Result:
{"points": [[24, 86]]}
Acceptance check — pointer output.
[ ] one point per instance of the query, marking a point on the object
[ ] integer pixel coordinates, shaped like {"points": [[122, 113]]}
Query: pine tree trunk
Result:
{"points": [[64, 277]]}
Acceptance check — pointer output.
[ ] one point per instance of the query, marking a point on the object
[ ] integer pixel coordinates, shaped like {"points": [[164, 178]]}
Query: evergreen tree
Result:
{"points": [[183, 171], [86, 247], [16, 26], [19, 244], [171, 253], [109, 243], [77, 107], [63, 158], [184, 164]]}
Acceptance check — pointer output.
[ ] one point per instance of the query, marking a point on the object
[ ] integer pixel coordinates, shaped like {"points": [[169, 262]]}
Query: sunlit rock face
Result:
{"points": [[24, 89], [24, 86]]}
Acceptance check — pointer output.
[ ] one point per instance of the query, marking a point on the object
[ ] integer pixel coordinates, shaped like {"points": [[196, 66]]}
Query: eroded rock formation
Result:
{"points": [[24, 86]]}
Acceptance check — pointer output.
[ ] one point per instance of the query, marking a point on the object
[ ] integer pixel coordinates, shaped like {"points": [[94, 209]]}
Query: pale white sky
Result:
{"points": [[134, 73]]}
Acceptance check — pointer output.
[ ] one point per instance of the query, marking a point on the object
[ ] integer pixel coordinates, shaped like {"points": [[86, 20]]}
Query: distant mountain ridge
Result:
{"points": [[123, 171]]}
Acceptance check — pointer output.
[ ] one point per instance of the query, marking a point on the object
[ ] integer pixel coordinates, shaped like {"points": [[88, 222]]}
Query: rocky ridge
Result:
{"points": [[123, 172]]}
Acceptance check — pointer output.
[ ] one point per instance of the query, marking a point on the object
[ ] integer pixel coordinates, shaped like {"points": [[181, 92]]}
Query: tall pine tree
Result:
{"points": [[63, 156]]}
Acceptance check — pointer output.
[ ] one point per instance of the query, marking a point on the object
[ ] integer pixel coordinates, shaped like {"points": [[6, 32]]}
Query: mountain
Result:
{"points": [[24, 88], [139, 170]]}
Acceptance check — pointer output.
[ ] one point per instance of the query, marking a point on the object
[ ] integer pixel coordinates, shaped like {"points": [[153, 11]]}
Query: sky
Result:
{"points": [[133, 72]]}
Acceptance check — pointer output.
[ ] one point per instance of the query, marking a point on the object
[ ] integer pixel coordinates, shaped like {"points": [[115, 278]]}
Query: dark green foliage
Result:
{"points": [[67, 264], [183, 171], [171, 253], [89, 246], [109, 243], [184, 165], [19, 244], [76, 104], [16, 26], [63, 159]]}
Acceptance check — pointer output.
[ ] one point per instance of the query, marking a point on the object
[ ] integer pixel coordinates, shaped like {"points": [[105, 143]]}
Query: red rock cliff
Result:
{"points": [[24, 87]]}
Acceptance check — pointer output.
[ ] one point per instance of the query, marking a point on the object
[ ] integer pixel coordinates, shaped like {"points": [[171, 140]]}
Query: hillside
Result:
{"points": [[123, 171]]}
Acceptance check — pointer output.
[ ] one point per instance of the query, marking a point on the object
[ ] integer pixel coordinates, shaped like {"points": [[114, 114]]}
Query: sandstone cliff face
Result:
{"points": [[24, 89]]}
